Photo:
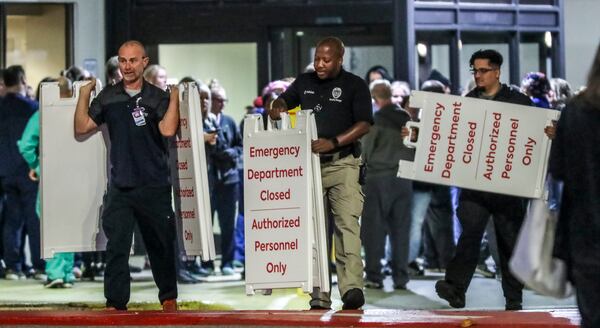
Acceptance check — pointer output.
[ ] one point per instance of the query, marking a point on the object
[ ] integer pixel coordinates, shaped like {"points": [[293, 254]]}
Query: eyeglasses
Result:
{"points": [[481, 71], [220, 100]]}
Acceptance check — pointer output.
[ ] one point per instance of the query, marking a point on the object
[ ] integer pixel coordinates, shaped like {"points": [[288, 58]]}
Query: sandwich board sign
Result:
{"points": [[284, 224], [190, 177], [479, 144], [74, 172]]}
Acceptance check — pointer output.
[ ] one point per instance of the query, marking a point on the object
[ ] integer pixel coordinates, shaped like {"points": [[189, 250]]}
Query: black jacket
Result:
{"points": [[383, 146], [575, 160], [506, 94], [15, 111]]}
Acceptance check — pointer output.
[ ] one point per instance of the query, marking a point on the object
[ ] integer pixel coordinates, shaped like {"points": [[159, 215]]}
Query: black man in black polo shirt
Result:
{"points": [[342, 105], [139, 117]]}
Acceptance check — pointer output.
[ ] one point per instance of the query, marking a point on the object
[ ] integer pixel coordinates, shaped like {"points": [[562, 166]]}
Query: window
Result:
{"points": [[41, 54]]}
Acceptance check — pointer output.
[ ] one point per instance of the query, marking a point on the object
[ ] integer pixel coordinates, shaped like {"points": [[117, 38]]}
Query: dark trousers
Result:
{"points": [[474, 211], [222, 201], [1, 228], [386, 209], [20, 215], [239, 252], [438, 234], [587, 288], [150, 208]]}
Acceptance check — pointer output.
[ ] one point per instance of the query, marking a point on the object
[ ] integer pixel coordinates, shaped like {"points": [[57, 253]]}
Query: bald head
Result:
{"points": [[335, 44], [329, 57], [132, 62], [134, 43]]}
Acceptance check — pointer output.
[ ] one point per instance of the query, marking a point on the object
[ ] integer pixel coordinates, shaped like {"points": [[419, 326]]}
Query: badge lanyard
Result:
{"points": [[138, 114]]}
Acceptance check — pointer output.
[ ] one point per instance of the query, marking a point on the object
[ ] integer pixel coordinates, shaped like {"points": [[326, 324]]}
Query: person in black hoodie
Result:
{"points": [[387, 197]]}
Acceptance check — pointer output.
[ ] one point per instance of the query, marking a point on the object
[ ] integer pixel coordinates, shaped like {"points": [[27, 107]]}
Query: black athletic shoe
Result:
{"points": [[318, 307], [353, 299], [400, 286], [513, 306], [415, 269], [446, 291], [184, 277]]}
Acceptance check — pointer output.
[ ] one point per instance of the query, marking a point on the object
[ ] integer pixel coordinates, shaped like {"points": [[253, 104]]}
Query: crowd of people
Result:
{"points": [[406, 228]]}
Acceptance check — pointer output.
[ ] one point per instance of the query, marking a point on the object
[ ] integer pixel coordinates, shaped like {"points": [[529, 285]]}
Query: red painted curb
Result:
{"points": [[367, 318]]}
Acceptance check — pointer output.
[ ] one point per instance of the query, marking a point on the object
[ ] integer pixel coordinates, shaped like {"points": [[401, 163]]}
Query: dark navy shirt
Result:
{"points": [[338, 103], [138, 154], [231, 149], [15, 111]]}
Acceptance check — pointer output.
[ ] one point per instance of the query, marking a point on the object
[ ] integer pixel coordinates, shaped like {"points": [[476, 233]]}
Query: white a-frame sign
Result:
{"points": [[286, 244], [190, 177], [479, 144], [74, 178]]}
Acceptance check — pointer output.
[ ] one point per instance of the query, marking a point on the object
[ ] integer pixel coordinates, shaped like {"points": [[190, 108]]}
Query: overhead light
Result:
{"points": [[300, 33], [329, 20], [422, 50], [548, 39]]}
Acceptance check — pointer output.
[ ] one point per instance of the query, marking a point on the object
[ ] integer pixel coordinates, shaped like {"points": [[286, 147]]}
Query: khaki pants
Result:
{"points": [[344, 198]]}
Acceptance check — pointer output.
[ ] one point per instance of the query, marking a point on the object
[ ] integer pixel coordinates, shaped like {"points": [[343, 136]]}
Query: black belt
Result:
{"points": [[327, 158]]}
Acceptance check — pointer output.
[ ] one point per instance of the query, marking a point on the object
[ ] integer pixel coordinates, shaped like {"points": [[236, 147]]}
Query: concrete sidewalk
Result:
{"points": [[483, 294]]}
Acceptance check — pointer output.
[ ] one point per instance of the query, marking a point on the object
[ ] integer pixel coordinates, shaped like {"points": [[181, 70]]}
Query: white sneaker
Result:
{"points": [[11, 275], [56, 283], [40, 276]]}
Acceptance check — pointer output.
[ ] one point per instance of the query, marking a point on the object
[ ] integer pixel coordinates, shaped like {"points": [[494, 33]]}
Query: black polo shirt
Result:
{"points": [[139, 153], [338, 103]]}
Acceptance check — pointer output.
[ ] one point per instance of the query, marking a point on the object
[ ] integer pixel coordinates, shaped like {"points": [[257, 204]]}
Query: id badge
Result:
{"points": [[138, 117], [138, 114]]}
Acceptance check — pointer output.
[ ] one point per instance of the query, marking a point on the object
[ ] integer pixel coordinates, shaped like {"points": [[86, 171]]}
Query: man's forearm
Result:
{"points": [[354, 133], [170, 122], [82, 116]]}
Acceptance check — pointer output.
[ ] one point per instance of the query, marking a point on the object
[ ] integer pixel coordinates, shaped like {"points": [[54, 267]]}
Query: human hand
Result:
{"points": [[173, 90], [404, 132], [88, 87], [550, 130], [32, 175], [322, 145], [211, 138]]}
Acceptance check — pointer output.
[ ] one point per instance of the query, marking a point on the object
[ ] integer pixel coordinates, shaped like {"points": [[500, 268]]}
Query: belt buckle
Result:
{"points": [[327, 158]]}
